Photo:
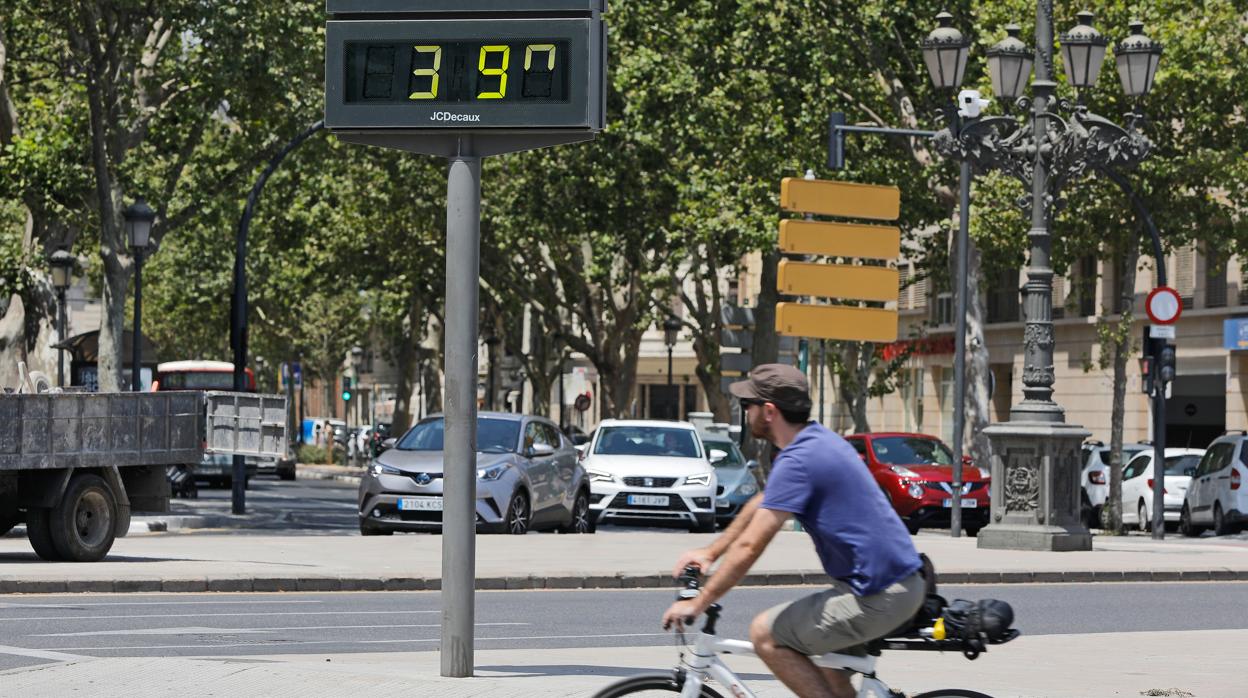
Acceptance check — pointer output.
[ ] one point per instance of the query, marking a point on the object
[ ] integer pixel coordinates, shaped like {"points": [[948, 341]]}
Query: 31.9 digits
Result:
{"points": [[432, 72]]}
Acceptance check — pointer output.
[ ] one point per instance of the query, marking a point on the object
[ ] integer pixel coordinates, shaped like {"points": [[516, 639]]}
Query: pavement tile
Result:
{"points": [[564, 582], [1048, 577], [137, 585], [40, 586], [603, 583], [980, 577], [404, 584], [360, 584], [230, 584], [1163, 576], [96, 586], [641, 581], [785, 579], [318, 584], [1215, 575], [1107, 575], [491, 583], [1138, 576], [184, 585], [1017, 577], [525, 582], [1078, 577]]}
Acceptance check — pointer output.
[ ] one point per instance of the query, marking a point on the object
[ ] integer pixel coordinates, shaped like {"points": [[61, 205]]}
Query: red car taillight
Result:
{"points": [[1235, 479], [1097, 477], [1163, 489]]}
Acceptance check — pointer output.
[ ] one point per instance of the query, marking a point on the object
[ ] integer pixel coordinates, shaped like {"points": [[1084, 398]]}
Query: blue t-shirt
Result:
{"points": [[861, 541]]}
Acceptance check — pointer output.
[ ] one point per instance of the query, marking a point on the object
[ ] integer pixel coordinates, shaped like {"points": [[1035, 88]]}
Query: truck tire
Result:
{"points": [[83, 523], [39, 533]]}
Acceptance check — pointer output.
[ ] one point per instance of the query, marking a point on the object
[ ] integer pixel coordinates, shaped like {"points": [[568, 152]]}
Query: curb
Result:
{"points": [[652, 581]]}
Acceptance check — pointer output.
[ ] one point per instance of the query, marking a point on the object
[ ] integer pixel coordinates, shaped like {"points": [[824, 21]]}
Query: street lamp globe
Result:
{"points": [[1009, 65], [139, 218], [1083, 51], [945, 51], [62, 263], [1137, 57], [671, 329]]}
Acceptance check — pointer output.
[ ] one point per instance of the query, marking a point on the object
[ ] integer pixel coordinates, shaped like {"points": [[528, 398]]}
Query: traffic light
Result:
{"points": [[1166, 361], [346, 388]]}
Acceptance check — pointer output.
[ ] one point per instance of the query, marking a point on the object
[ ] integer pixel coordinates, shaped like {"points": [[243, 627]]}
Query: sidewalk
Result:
{"points": [[1201, 664], [610, 559]]}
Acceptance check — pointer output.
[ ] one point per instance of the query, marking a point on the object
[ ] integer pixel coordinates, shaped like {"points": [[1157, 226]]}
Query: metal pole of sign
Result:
{"points": [[959, 350], [463, 246]]}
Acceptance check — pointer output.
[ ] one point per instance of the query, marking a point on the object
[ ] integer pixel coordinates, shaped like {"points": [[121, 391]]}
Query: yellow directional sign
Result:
{"points": [[838, 322], [840, 239], [843, 199], [837, 281]]}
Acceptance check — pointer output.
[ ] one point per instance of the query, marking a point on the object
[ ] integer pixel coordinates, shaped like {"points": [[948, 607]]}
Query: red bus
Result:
{"points": [[199, 375]]}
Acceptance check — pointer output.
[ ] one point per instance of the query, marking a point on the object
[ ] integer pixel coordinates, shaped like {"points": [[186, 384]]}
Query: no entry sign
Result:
{"points": [[1163, 306]]}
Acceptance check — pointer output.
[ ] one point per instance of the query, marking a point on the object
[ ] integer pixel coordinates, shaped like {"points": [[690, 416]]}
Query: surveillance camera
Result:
{"points": [[970, 104]]}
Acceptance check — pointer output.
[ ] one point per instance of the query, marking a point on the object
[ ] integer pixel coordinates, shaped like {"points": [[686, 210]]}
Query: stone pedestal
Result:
{"points": [[1035, 487]]}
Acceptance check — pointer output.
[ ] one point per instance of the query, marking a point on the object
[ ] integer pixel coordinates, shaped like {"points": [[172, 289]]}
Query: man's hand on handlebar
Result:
{"points": [[683, 612], [698, 557]]}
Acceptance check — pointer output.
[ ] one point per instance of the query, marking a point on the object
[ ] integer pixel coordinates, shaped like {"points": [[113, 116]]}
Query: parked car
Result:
{"points": [[735, 476], [651, 470], [1137, 485], [1216, 497], [1094, 478], [577, 435], [377, 436], [218, 469], [916, 473], [528, 478]]}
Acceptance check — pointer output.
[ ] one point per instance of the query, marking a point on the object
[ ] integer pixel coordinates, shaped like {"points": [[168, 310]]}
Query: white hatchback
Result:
{"points": [[1218, 497], [645, 470], [1137, 485]]}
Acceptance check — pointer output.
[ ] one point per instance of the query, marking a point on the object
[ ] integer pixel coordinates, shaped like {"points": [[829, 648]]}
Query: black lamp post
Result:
{"points": [[671, 330], [1035, 500], [491, 341], [62, 263], [139, 218]]}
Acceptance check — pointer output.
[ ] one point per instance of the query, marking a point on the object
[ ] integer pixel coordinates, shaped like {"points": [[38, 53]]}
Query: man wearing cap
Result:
{"points": [[818, 478]]}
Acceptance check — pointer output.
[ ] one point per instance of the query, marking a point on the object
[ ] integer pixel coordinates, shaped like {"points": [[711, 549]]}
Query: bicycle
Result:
{"points": [[690, 676]]}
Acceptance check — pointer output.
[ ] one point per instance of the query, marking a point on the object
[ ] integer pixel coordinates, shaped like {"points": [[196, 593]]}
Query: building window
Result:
{"points": [[1059, 297], [1085, 287], [1003, 298], [943, 311], [1215, 279], [1185, 275]]}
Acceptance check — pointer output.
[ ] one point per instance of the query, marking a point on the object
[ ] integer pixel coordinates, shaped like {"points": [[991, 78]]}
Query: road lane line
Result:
{"points": [[41, 654], [220, 615], [263, 645], [202, 630]]}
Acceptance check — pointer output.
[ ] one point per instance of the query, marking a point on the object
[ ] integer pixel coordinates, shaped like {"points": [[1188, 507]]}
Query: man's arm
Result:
{"points": [[705, 557], [743, 553]]}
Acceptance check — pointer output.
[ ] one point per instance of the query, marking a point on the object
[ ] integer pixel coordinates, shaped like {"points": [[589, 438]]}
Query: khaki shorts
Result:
{"points": [[836, 620]]}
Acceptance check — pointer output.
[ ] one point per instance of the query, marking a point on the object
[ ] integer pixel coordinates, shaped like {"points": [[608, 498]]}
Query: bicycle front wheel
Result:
{"points": [[647, 685], [953, 693]]}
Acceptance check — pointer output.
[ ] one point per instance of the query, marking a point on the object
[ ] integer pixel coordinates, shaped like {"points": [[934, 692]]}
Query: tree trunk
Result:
{"points": [[406, 359], [617, 376], [766, 344], [978, 407], [1122, 353], [112, 324], [432, 368]]}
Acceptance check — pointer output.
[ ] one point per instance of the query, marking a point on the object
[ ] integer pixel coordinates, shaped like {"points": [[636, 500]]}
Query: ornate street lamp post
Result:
{"points": [[62, 263], [671, 332], [1035, 483], [139, 218]]}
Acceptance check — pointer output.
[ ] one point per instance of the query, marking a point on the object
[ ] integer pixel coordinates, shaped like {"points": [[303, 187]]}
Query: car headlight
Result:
{"points": [[491, 473], [703, 479], [599, 476], [747, 488], [915, 490], [379, 469], [903, 471]]}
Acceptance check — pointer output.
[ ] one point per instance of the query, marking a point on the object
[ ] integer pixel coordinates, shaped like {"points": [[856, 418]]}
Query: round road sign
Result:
{"points": [[1163, 306]]}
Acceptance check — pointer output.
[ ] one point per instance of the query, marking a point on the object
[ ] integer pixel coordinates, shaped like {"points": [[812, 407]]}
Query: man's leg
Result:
{"points": [[795, 669]]}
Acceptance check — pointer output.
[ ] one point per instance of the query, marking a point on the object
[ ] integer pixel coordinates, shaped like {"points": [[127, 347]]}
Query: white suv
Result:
{"points": [[1094, 478], [1217, 496], [650, 470]]}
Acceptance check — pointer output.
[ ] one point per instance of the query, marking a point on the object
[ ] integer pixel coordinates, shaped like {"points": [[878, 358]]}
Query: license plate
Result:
{"points": [[421, 504], [648, 500], [966, 503]]}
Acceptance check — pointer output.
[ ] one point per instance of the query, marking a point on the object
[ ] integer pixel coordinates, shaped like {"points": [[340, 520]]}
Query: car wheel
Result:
{"points": [[1219, 521], [287, 475], [1186, 527], [1145, 524], [581, 521], [704, 524], [912, 527], [369, 529], [83, 524], [973, 531], [516, 522], [39, 533]]}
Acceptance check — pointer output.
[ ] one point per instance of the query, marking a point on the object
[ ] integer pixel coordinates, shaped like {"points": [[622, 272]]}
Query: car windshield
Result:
{"points": [[734, 456], [493, 435], [1182, 465], [910, 450], [647, 441], [1127, 452]]}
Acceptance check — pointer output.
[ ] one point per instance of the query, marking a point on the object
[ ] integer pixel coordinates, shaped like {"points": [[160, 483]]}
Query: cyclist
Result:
{"points": [[818, 478]]}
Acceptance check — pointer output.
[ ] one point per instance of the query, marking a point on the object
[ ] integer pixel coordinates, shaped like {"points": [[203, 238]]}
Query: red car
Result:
{"points": [[916, 473]]}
